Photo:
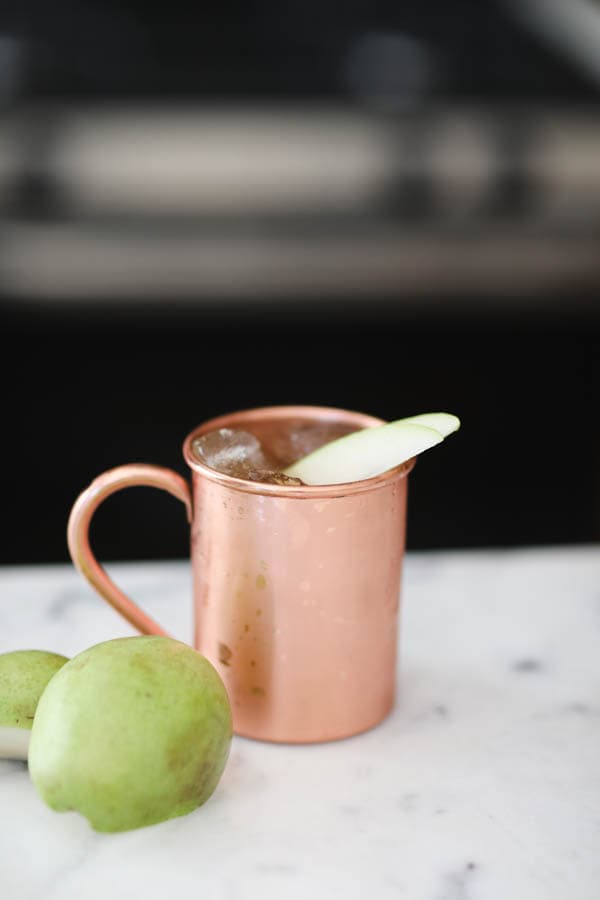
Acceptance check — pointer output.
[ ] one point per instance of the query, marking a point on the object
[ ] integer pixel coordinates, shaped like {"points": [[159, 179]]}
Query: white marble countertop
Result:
{"points": [[484, 783]]}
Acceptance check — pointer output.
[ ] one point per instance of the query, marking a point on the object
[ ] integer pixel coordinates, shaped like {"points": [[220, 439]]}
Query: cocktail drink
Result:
{"points": [[263, 454], [295, 452]]}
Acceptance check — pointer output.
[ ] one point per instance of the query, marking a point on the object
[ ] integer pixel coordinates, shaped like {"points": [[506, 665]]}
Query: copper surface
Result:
{"points": [[135, 474]]}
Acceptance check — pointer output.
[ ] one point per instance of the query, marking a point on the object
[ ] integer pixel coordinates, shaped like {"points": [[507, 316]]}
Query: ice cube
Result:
{"points": [[241, 455], [226, 450]]}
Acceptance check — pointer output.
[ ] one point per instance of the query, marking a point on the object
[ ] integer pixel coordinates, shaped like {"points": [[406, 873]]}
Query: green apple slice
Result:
{"points": [[445, 423], [364, 453]]}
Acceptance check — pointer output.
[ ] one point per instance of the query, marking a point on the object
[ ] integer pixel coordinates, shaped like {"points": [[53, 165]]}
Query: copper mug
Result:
{"points": [[296, 589]]}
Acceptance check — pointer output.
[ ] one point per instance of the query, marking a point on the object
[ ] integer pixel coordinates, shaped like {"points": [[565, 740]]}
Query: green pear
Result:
{"points": [[24, 675], [131, 732], [371, 451]]}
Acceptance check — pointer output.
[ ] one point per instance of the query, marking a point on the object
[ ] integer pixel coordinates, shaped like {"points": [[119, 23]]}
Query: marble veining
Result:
{"points": [[483, 784]]}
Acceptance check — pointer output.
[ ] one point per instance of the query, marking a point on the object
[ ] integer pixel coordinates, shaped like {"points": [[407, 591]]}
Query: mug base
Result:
{"points": [[328, 738]]}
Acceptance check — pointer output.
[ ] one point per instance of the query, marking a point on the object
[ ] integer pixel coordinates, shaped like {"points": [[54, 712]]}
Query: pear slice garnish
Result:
{"points": [[364, 453], [372, 451]]}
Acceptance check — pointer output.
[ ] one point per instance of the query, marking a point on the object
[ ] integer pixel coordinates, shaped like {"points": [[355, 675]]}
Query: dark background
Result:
{"points": [[497, 321]]}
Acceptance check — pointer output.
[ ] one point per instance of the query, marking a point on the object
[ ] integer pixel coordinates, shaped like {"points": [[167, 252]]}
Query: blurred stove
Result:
{"points": [[205, 204]]}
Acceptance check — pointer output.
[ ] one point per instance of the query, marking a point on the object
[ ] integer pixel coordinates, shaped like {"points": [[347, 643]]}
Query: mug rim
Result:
{"points": [[305, 491]]}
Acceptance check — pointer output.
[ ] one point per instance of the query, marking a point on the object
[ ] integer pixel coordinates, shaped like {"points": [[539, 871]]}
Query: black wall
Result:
{"points": [[85, 392]]}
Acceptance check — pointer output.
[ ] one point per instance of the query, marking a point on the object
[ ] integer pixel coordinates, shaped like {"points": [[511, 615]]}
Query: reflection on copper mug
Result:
{"points": [[296, 588]]}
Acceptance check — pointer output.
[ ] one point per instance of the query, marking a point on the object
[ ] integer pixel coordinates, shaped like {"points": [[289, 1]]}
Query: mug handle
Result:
{"points": [[136, 474]]}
